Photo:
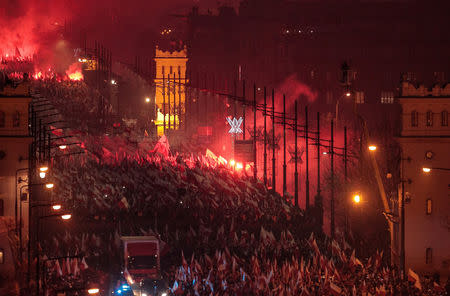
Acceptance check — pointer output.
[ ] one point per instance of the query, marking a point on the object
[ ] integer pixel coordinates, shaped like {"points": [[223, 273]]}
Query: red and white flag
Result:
{"points": [[83, 264], [58, 268], [414, 277], [335, 290], [123, 203]]}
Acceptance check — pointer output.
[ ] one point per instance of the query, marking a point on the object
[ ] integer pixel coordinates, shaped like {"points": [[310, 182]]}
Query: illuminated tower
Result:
{"points": [[170, 84]]}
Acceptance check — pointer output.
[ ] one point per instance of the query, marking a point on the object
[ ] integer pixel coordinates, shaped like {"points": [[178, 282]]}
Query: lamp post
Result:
{"points": [[63, 217], [15, 204]]}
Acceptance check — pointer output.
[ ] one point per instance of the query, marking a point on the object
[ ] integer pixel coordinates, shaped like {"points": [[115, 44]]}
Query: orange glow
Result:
{"points": [[66, 216], [372, 147], [74, 72], [62, 147], [239, 166], [348, 94], [42, 175], [357, 198], [426, 170], [247, 167], [232, 162]]}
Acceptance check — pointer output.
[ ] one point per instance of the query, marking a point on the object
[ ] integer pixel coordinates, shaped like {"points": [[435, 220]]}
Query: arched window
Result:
{"points": [[444, 118], [16, 119], [429, 206], [429, 118], [429, 256], [2, 119], [414, 118]]}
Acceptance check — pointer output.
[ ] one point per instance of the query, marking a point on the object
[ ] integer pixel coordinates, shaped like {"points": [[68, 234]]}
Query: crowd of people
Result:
{"points": [[221, 232]]}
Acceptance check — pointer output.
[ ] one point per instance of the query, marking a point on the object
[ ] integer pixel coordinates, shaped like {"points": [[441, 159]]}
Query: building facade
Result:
{"points": [[14, 151], [425, 143], [170, 81]]}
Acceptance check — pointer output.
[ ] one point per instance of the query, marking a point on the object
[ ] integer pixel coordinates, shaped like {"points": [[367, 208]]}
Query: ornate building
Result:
{"points": [[14, 148], [425, 142], [170, 80]]}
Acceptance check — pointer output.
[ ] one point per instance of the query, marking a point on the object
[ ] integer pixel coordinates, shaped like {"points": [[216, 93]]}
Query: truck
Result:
{"points": [[141, 266]]}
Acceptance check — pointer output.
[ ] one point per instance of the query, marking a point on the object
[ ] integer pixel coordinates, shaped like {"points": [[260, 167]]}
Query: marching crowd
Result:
{"points": [[222, 233]]}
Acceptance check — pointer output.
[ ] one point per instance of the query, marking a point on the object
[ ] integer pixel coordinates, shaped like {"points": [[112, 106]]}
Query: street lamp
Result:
{"points": [[62, 147], [356, 198], [42, 175], [147, 100], [429, 169], [93, 291], [43, 169], [372, 147], [49, 185]]}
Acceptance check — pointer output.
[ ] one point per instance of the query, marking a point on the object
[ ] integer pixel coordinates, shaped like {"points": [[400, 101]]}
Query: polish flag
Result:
{"points": [[83, 264], [123, 203], [414, 277], [335, 290], [58, 268]]}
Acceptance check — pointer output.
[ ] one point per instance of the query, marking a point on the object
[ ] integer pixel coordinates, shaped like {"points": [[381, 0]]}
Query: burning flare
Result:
{"points": [[74, 72]]}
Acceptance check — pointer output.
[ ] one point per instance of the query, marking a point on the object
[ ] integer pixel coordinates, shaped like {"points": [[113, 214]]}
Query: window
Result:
{"points": [[444, 118], [429, 206], [414, 118], [429, 118], [2, 119], [387, 97], [429, 256]]}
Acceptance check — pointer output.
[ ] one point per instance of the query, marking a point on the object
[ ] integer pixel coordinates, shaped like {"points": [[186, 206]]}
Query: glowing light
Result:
{"points": [[324, 153], [42, 175], [66, 216], [426, 170], [93, 291], [372, 147], [247, 167], [232, 162], [239, 166], [56, 207], [164, 294], [113, 82], [356, 198], [62, 147], [348, 94], [147, 100], [235, 125], [43, 169], [74, 72], [49, 185]]}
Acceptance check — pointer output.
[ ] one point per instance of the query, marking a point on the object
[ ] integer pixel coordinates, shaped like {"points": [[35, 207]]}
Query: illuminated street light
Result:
{"points": [[42, 175], [62, 147], [93, 291], [356, 198], [372, 147], [426, 170], [66, 216], [348, 94], [43, 168], [56, 207], [147, 100], [49, 185]]}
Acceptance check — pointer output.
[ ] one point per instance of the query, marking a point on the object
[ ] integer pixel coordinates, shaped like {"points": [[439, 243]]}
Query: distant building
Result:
{"points": [[14, 147], [425, 142], [170, 81]]}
